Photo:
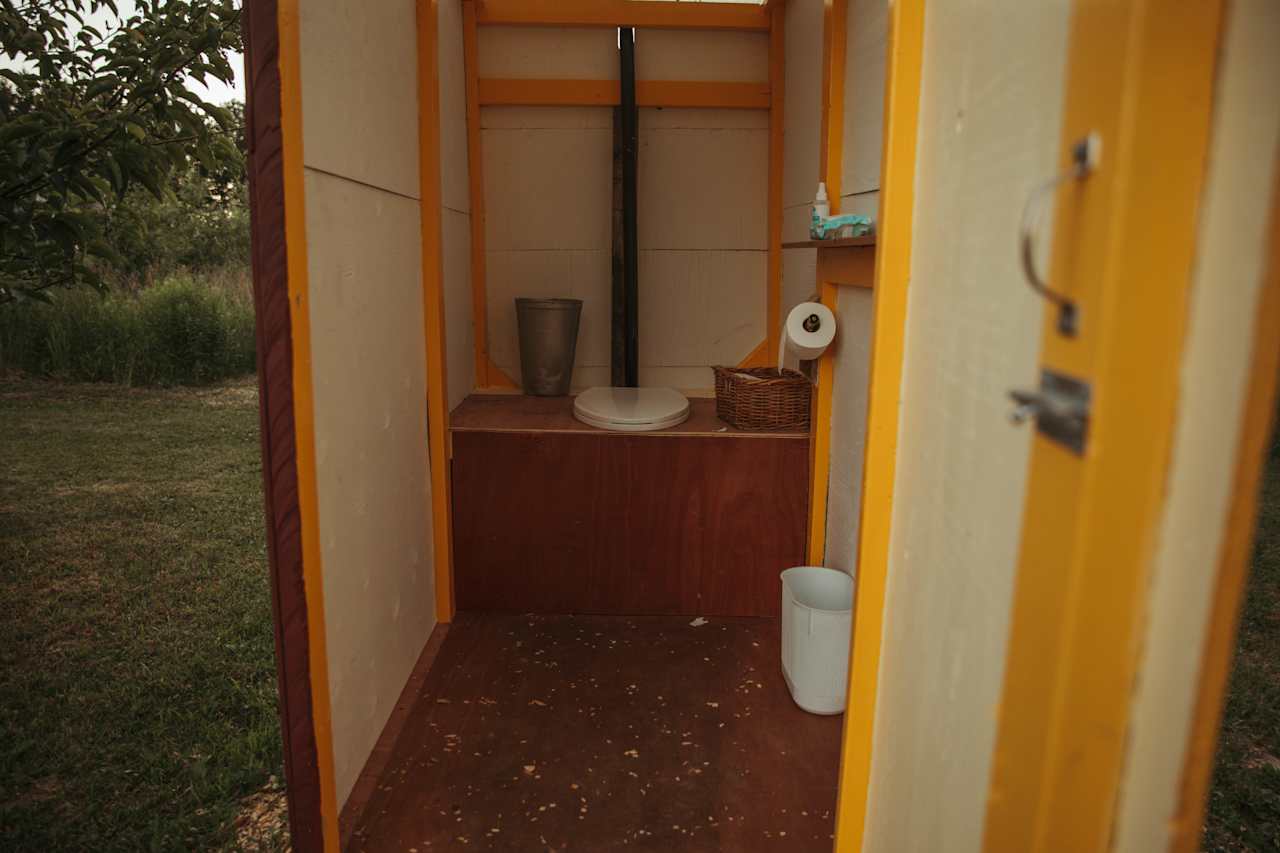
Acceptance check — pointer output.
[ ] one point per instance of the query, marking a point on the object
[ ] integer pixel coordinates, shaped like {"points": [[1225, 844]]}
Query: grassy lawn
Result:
{"points": [[1244, 803], [137, 672]]}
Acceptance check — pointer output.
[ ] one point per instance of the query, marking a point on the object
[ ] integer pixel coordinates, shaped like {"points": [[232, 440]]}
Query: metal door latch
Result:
{"points": [[1060, 407]]}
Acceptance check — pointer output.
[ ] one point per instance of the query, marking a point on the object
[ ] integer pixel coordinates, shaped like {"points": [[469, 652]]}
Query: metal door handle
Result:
{"points": [[1085, 155]]}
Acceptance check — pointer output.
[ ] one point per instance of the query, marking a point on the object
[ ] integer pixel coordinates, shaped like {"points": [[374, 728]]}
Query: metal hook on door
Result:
{"points": [[1085, 155]]}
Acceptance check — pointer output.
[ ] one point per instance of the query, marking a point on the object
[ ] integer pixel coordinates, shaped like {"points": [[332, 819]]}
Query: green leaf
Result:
{"points": [[65, 236], [100, 86]]}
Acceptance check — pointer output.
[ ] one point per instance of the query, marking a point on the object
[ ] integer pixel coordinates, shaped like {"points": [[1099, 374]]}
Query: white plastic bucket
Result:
{"points": [[817, 617]]}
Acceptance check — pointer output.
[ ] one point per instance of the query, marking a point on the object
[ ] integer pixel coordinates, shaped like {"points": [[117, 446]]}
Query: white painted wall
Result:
{"points": [[854, 315], [866, 43], [548, 197], [801, 120], [866, 54], [360, 147], [703, 203], [990, 111], [455, 199], [1226, 282], [703, 228]]}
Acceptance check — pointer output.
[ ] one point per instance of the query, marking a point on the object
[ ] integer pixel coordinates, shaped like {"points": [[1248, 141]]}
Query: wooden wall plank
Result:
{"points": [[608, 523]]}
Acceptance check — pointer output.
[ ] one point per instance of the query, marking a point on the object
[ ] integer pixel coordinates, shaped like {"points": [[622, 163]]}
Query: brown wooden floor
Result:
{"points": [[535, 732]]}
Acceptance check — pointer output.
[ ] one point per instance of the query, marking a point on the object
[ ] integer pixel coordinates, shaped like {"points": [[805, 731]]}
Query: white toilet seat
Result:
{"points": [[631, 409]]}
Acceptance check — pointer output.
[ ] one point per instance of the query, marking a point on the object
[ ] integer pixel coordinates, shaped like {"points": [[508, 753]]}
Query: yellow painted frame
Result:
{"points": [[499, 91], [888, 348], [830, 166], [1141, 74], [295, 219], [428, 20], [1237, 547], [623, 13]]}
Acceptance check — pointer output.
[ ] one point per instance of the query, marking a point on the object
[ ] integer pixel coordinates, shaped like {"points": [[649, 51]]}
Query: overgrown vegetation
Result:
{"points": [[1244, 803], [183, 331], [137, 664], [92, 105]]}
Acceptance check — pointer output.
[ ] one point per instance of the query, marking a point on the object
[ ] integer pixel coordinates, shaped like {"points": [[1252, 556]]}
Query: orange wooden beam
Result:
{"points": [[777, 87], [506, 91], [304, 413], [623, 13], [433, 304]]}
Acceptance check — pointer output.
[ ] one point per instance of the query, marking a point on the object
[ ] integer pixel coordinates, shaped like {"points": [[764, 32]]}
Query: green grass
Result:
{"points": [[137, 671], [1244, 802]]}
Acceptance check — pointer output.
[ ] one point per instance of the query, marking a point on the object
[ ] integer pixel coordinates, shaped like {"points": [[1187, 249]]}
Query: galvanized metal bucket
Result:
{"points": [[548, 340]]}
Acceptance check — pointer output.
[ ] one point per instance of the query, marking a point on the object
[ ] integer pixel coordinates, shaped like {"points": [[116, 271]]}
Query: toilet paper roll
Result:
{"points": [[811, 327]]}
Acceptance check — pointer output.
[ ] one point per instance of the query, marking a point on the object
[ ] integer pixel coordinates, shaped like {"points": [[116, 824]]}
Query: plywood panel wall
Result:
{"points": [[360, 92], [702, 213], [848, 427], [703, 237], [866, 37], [866, 45], [586, 53], [702, 55], [455, 199], [371, 444], [802, 118], [548, 196]]}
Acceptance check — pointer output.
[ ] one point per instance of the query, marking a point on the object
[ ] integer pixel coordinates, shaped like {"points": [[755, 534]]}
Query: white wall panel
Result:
{"points": [[455, 191], [360, 92], [586, 53], [369, 374], [848, 426], [866, 50], [699, 308], [702, 55]]}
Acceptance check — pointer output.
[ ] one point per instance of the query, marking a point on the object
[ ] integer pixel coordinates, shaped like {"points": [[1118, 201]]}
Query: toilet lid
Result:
{"points": [[631, 409]]}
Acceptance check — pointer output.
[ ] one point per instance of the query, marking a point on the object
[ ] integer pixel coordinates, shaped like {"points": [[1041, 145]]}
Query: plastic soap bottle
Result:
{"points": [[821, 211]]}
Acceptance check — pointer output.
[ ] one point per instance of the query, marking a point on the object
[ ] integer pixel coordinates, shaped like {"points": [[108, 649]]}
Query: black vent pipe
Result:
{"points": [[630, 251]]}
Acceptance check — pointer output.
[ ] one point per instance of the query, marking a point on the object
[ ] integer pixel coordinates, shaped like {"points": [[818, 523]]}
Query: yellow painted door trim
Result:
{"points": [[892, 276], [295, 223], [830, 166], [1140, 73], [1237, 548], [433, 303]]}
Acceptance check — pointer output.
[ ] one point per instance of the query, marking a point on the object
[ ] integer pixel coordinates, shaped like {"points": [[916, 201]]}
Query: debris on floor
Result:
{"points": [[647, 734]]}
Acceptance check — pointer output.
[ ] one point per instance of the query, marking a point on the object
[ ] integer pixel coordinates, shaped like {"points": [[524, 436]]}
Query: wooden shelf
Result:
{"points": [[513, 413], [846, 243]]}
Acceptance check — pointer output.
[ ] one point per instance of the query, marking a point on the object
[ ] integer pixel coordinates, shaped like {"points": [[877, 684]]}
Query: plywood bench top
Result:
{"points": [[517, 413]]}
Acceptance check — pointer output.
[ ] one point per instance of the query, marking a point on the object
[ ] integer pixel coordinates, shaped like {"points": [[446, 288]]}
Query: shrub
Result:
{"points": [[183, 331]]}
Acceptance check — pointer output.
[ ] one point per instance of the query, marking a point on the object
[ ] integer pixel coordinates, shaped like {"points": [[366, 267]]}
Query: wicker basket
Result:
{"points": [[759, 398]]}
